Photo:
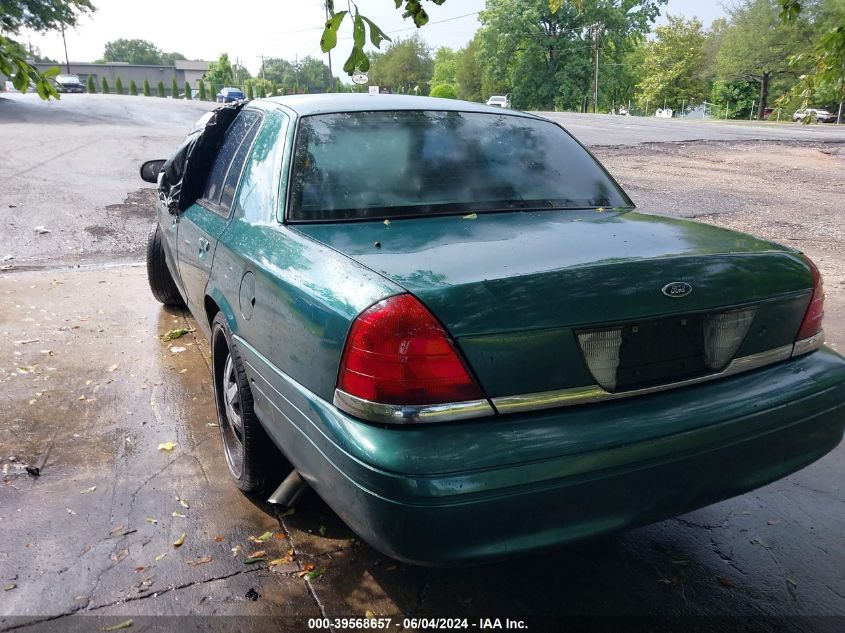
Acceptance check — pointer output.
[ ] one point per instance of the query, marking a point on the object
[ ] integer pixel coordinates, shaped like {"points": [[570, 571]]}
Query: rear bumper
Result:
{"points": [[497, 487]]}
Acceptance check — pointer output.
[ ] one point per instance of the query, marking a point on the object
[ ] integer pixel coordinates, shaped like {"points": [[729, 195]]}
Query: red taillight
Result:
{"points": [[812, 323], [397, 353]]}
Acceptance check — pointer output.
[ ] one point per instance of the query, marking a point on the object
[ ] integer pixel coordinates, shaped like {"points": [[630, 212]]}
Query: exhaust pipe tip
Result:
{"points": [[289, 490]]}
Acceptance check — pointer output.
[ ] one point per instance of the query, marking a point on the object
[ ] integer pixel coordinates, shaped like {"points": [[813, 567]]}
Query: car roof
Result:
{"points": [[306, 105]]}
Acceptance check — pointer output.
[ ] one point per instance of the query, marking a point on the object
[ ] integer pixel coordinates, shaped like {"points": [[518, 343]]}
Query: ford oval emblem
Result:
{"points": [[677, 289]]}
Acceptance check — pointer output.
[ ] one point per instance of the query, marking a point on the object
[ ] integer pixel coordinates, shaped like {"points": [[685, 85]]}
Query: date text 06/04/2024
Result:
{"points": [[416, 623]]}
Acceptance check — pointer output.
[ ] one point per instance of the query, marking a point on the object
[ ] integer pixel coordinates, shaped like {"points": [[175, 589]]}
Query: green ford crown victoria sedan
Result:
{"points": [[448, 320]]}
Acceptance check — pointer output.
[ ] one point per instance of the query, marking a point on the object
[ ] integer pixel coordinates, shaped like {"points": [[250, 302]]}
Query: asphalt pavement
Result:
{"points": [[91, 397]]}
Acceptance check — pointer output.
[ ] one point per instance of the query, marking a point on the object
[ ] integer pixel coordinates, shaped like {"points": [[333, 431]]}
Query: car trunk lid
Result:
{"points": [[531, 296]]}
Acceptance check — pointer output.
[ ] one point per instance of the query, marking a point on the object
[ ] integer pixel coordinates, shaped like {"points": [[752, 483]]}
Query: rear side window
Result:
{"points": [[368, 165], [223, 177]]}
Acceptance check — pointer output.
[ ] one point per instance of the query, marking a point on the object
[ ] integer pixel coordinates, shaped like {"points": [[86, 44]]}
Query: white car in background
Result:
{"points": [[819, 115], [499, 101]]}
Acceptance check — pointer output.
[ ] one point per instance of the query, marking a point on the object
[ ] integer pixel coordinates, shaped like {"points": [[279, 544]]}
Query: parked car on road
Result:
{"points": [[814, 115], [69, 83], [450, 322], [499, 101], [227, 95]]}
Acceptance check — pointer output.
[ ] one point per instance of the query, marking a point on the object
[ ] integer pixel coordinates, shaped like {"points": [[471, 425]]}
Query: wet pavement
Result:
{"points": [[88, 393]]}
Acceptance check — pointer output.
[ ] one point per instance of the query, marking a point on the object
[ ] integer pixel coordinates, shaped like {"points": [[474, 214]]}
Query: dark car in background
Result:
{"points": [[227, 95], [69, 83]]}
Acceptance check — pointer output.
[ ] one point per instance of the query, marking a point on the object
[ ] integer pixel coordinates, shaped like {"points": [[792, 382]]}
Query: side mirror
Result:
{"points": [[151, 169]]}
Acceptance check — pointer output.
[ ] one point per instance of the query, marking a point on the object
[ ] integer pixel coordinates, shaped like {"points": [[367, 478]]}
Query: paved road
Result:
{"points": [[87, 393], [603, 129]]}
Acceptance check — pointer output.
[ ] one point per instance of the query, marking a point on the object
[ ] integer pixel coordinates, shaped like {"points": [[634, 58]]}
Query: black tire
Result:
{"points": [[161, 281], [251, 457]]}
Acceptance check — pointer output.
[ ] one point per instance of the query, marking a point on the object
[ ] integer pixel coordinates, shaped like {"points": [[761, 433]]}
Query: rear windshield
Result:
{"points": [[369, 165]]}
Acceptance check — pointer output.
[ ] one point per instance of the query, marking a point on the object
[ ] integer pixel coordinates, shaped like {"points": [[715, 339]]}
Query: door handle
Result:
{"points": [[204, 245]]}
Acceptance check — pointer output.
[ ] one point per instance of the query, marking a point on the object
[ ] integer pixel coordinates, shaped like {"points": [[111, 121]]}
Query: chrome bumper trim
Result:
{"points": [[807, 345], [594, 393], [399, 414]]}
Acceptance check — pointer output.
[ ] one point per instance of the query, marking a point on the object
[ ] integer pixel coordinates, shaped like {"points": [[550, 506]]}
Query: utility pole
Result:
{"points": [[596, 32], [64, 41], [331, 73], [296, 70]]}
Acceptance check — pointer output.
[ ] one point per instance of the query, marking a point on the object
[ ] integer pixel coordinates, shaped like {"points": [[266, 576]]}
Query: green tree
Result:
{"points": [[545, 58], [249, 93], [444, 91], [405, 63], [91, 85], [202, 95], [174, 89], [104, 84], [273, 88], [188, 94], [169, 59], [39, 16], [673, 64], [118, 86], [445, 66], [220, 73], [825, 79], [758, 45], [133, 88], [468, 70], [132, 52], [160, 88], [147, 91]]}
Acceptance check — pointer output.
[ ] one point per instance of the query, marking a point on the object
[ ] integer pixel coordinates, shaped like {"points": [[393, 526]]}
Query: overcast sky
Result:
{"points": [[246, 29]]}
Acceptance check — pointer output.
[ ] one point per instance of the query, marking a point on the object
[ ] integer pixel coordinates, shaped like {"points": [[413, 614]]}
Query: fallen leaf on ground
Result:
{"points": [[178, 350], [211, 424], [112, 368], [261, 539], [773, 521], [387, 222], [183, 503], [200, 561], [177, 333], [69, 511], [120, 555], [87, 490], [41, 230], [280, 536], [28, 341], [218, 538], [178, 514], [255, 557], [152, 520], [311, 575], [308, 567], [236, 550], [160, 556], [117, 529], [122, 625], [179, 541], [167, 446], [9, 587], [758, 542], [470, 216], [369, 614], [322, 530], [139, 569], [284, 560]]}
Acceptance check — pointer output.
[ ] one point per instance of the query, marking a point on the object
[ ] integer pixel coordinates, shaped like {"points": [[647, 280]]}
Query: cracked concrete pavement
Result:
{"points": [[88, 391]]}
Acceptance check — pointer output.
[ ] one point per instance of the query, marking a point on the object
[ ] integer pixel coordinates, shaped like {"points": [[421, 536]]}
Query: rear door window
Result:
{"points": [[226, 170]]}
